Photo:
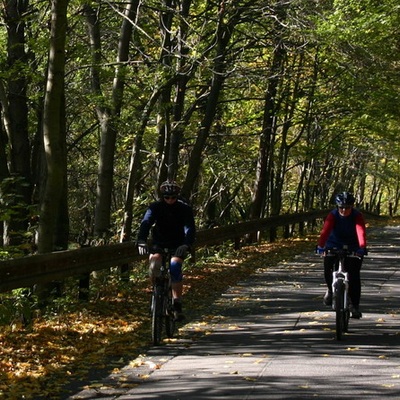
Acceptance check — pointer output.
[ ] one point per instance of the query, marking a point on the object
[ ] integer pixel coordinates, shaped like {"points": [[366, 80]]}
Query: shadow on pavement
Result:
{"points": [[271, 338]]}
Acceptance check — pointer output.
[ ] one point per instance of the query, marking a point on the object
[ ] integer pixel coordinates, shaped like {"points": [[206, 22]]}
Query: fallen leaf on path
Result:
{"points": [[129, 385]]}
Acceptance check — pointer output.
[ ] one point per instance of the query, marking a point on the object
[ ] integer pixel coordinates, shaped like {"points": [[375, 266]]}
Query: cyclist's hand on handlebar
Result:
{"points": [[320, 250], [142, 247], [361, 252]]}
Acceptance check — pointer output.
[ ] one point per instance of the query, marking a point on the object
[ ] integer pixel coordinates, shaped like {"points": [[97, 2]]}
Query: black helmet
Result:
{"points": [[170, 188], [345, 199]]}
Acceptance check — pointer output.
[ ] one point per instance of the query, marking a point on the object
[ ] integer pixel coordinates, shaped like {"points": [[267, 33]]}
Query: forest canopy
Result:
{"points": [[256, 108]]}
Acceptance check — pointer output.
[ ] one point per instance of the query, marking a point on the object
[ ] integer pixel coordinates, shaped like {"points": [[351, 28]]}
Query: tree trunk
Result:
{"points": [[223, 36], [54, 223], [134, 167], [15, 107], [3, 172], [180, 91], [108, 116], [164, 113], [264, 171], [52, 210], [169, 141]]}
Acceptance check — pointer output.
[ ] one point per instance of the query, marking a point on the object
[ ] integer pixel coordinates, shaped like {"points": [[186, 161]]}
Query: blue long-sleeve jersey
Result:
{"points": [[173, 224]]}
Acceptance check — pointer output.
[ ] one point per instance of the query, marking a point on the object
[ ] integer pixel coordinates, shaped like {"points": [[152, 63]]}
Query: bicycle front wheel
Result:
{"points": [[157, 314], [339, 307], [346, 320], [169, 315]]}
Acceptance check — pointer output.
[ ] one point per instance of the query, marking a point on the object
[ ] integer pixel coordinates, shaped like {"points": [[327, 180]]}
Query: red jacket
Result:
{"points": [[338, 231]]}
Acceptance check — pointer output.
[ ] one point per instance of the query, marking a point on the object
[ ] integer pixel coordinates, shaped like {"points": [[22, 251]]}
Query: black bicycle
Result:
{"points": [[340, 290], [162, 309]]}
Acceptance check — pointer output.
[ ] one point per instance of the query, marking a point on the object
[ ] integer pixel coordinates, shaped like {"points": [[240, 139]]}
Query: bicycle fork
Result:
{"points": [[343, 276]]}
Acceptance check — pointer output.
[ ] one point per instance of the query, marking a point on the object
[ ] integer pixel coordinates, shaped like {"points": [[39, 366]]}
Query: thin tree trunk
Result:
{"points": [[15, 106], [172, 149], [164, 114], [180, 91], [54, 131], [223, 36], [134, 167], [108, 116], [264, 171]]}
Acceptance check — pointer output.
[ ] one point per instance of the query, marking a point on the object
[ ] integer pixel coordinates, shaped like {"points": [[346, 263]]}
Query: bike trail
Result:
{"points": [[270, 337]]}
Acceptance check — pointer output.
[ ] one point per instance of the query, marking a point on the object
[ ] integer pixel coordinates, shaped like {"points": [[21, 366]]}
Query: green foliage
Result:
{"points": [[17, 307], [10, 200], [335, 109]]}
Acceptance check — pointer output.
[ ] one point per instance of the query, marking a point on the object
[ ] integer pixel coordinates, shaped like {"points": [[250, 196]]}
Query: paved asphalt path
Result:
{"points": [[270, 337]]}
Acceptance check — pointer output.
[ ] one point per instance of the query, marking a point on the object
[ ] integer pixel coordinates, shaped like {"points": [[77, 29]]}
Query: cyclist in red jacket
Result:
{"points": [[344, 226]]}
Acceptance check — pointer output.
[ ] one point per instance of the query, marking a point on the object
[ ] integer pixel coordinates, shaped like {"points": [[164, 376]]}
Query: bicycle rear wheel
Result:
{"points": [[346, 312], [157, 314], [169, 315], [339, 307], [346, 320]]}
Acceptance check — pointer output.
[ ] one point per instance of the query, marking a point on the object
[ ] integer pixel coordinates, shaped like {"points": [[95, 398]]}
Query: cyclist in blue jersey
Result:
{"points": [[344, 226], [173, 226]]}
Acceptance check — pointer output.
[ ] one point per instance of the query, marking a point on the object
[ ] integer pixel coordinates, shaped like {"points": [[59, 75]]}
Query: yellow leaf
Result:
{"points": [[353, 348], [95, 386], [136, 363], [129, 385]]}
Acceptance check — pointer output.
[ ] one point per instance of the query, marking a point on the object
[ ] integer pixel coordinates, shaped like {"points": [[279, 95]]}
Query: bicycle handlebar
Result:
{"points": [[341, 253]]}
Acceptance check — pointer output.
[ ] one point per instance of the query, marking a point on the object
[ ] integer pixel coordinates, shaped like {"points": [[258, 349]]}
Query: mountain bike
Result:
{"points": [[162, 309], [340, 289]]}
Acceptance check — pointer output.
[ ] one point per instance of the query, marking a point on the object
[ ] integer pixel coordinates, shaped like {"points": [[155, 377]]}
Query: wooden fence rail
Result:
{"points": [[43, 268]]}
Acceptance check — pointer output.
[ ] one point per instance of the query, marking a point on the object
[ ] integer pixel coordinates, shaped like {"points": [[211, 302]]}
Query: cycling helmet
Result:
{"points": [[170, 188], [345, 199]]}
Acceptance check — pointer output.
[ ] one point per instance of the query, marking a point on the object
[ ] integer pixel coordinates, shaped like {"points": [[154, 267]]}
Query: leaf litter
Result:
{"points": [[106, 333]]}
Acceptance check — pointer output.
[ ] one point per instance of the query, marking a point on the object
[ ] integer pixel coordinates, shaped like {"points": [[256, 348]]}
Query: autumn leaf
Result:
{"points": [[77, 337]]}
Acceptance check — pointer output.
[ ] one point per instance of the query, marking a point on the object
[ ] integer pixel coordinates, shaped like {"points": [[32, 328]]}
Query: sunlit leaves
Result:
{"points": [[68, 343]]}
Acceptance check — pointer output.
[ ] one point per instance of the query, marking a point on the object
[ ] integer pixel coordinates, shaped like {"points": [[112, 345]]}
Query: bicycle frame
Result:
{"points": [[342, 275], [340, 290]]}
